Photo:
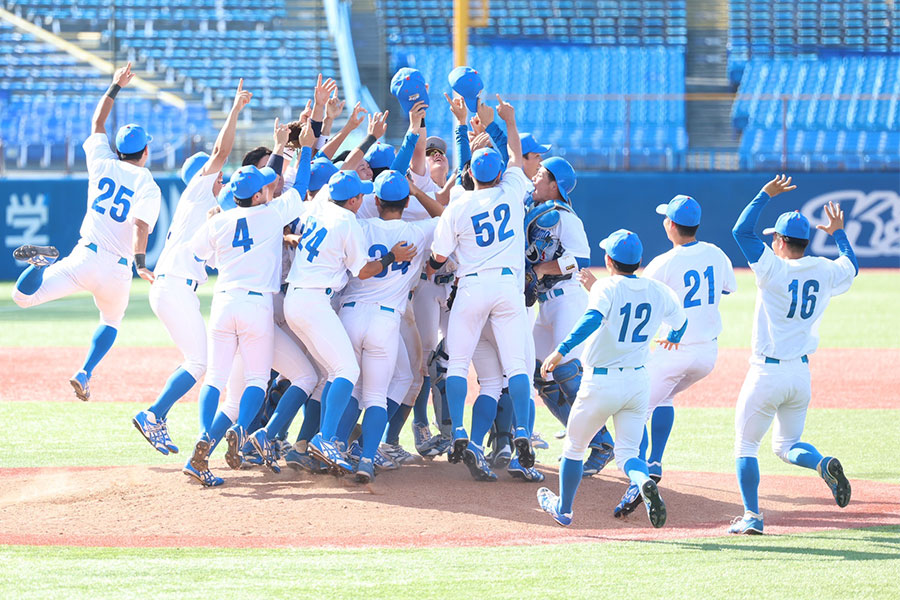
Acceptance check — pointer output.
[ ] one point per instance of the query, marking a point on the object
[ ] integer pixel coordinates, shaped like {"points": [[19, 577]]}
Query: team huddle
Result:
{"points": [[360, 286]]}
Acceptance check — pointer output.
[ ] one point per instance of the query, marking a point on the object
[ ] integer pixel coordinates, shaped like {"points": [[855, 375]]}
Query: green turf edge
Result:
{"points": [[702, 438], [857, 563]]}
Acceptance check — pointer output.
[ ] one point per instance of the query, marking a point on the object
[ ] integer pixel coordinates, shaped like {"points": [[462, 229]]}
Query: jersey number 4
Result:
{"points": [[484, 230], [642, 312], [692, 281], [379, 250], [121, 204], [242, 237], [808, 300]]}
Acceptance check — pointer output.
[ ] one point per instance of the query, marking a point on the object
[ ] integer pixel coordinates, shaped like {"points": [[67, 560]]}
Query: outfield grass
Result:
{"points": [[840, 564], [865, 317], [702, 440]]}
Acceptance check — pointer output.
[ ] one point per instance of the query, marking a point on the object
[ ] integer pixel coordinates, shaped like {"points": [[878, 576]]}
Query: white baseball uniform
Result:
{"points": [[331, 249], [699, 273], [173, 296], [485, 228], [790, 302], [372, 309], [615, 383], [119, 193]]}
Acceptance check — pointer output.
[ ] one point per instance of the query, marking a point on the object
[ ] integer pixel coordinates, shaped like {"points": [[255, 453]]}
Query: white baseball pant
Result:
{"points": [[176, 305], [556, 317], [673, 371], [374, 332]]}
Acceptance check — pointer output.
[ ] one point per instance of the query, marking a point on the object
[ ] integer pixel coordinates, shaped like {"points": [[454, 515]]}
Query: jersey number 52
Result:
{"points": [[484, 229]]}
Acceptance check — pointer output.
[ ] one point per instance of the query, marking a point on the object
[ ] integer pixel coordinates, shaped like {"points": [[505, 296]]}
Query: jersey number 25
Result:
{"points": [[121, 204]]}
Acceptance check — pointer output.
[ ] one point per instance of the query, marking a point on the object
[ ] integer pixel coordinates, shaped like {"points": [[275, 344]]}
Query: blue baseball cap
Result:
{"points": [[529, 144], [380, 156], [344, 185], [791, 224], [486, 164], [192, 166], [466, 82], [246, 181], [132, 138], [225, 199], [623, 246], [408, 85], [391, 186], [320, 171], [681, 210], [563, 173]]}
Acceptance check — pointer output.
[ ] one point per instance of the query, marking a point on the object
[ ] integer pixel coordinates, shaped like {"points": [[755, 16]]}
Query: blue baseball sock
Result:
{"points": [[30, 280], [521, 399], [373, 424], [209, 404], [325, 389], [392, 408], [420, 408], [570, 473], [180, 383], [660, 428], [396, 423], [217, 431], [103, 339], [804, 455], [311, 417], [251, 400], [636, 469], [335, 404], [483, 413], [348, 419], [645, 442], [505, 414], [290, 403], [748, 480], [457, 387]]}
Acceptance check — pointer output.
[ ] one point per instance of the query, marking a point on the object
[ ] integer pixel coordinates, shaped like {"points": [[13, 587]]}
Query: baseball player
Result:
{"points": [[331, 247], [793, 292], [173, 296], [700, 274], [246, 243], [484, 228], [122, 207], [623, 313], [372, 309]]}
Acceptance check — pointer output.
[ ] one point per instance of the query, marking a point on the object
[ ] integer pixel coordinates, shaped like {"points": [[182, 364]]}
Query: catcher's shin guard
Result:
{"points": [[437, 372]]}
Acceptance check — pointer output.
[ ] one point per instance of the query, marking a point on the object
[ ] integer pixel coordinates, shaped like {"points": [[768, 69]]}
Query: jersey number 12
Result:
{"points": [[641, 312]]}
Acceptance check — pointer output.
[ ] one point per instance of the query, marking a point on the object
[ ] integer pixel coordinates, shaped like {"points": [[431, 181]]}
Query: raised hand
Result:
{"points": [[835, 218], [458, 108], [378, 124], [307, 137], [779, 185], [323, 90], [482, 140], [404, 252], [416, 116], [505, 110], [485, 114], [476, 125], [241, 97], [357, 116], [334, 107], [281, 134], [123, 75], [305, 113]]}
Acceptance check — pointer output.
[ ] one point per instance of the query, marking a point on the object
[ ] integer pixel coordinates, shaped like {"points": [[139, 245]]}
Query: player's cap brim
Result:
{"points": [[269, 175], [368, 187], [662, 208], [769, 231]]}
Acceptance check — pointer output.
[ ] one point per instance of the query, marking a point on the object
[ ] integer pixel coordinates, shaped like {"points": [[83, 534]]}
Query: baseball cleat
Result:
{"points": [[200, 457], [597, 460], [354, 453], [205, 476], [328, 453], [538, 442], [422, 439], [460, 441], [519, 472], [832, 472], [39, 256], [302, 460], [397, 453], [235, 437], [656, 508], [384, 462], [473, 457], [549, 503], [441, 444], [655, 471], [164, 436], [524, 451], [502, 457], [145, 422], [365, 471], [630, 501], [264, 448], [79, 383], [750, 524]]}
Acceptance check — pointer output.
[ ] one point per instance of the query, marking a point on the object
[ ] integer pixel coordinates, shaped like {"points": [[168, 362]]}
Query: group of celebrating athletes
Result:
{"points": [[362, 283]]}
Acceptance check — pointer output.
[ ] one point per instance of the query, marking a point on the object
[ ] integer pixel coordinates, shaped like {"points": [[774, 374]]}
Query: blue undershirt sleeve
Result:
{"points": [[405, 153], [583, 263], [301, 182], [588, 324], [843, 244], [676, 334], [751, 244], [498, 136]]}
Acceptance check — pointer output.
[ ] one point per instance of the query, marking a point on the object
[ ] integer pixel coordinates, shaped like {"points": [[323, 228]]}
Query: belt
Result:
{"points": [[544, 296], [440, 279], [381, 306], [254, 293], [605, 371], [328, 291], [503, 271], [190, 282], [93, 247], [775, 361]]}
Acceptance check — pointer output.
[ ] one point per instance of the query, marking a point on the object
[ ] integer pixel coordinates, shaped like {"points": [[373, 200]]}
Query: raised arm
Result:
{"points": [[461, 132], [121, 78], [486, 117], [377, 127], [431, 206], [411, 139], [744, 233], [225, 141], [835, 228], [356, 117], [513, 143]]}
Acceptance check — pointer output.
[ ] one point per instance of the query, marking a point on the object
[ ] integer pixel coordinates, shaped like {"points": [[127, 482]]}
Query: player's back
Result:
{"points": [[698, 273], [331, 242], [791, 300], [118, 193], [633, 308], [191, 212], [247, 244], [391, 287]]}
